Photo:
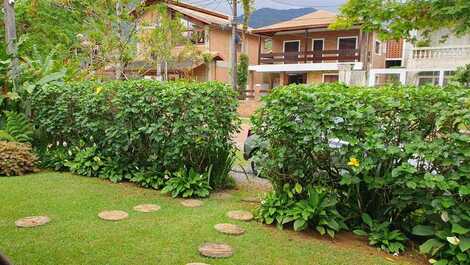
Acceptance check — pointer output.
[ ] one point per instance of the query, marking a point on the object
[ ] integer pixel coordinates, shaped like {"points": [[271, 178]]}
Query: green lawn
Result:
{"points": [[170, 236]]}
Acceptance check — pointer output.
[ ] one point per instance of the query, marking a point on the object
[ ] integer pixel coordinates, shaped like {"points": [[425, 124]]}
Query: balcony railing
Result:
{"points": [[310, 57], [441, 52]]}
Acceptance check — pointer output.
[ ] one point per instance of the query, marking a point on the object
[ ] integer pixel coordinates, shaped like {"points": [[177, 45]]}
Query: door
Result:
{"points": [[318, 46], [346, 47], [291, 51], [330, 78], [297, 78]]}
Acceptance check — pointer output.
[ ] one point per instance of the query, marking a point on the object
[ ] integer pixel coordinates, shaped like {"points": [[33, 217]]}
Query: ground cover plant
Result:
{"points": [[140, 131], [401, 155], [170, 236]]}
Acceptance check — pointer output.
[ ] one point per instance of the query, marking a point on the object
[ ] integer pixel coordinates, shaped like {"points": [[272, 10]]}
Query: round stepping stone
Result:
{"points": [[191, 203], [229, 229], [214, 250], [32, 221], [147, 208], [113, 215], [240, 215]]}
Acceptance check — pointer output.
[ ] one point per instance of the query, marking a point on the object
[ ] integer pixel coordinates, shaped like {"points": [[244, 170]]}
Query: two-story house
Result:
{"points": [[306, 50], [210, 32]]}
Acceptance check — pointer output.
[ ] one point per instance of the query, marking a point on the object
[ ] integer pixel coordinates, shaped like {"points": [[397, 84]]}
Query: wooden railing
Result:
{"points": [[196, 36], [310, 56]]}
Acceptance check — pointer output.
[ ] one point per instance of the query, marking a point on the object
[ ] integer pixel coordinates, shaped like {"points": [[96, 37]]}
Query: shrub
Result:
{"points": [[142, 129], [380, 235], [188, 183], [16, 159], [399, 154]]}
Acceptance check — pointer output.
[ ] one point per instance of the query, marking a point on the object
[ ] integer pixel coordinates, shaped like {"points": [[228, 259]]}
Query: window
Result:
{"points": [[347, 49], [378, 47], [317, 46], [428, 78]]}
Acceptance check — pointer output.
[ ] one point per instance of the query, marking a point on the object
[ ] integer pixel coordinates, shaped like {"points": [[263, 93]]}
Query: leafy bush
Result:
{"points": [[87, 162], [318, 210], [379, 234], [5, 136], [16, 159], [17, 127], [399, 154], [142, 129], [188, 183]]}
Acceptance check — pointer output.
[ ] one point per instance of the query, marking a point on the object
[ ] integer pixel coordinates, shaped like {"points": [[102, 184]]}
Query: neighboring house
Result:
{"points": [[432, 62], [210, 32], [305, 50]]}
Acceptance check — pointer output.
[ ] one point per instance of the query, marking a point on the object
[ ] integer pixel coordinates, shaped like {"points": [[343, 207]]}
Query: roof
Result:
{"points": [[317, 19], [202, 14]]}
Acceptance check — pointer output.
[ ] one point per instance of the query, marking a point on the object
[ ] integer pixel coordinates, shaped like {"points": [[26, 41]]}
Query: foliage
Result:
{"points": [[242, 74], [56, 156], [187, 184], [5, 136], [318, 210], [380, 235], [16, 159], [462, 75], [179, 125], [87, 162], [18, 127], [399, 154], [398, 19]]}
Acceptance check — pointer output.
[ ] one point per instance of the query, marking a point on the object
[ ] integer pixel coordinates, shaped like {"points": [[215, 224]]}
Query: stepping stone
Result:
{"points": [[240, 215], [113, 215], [32, 221], [229, 229], [147, 208], [214, 250], [191, 203]]}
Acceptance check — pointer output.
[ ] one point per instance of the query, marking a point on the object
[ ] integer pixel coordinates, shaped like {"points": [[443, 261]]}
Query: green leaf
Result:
{"points": [[300, 224], [457, 229], [360, 232], [423, 230], [464, 244], [321, 230], [367, 219], [431, 246], [298, 188]]}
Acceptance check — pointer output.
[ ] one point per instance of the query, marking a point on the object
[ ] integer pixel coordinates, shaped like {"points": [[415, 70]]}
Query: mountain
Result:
{"points": [[268, 16]]}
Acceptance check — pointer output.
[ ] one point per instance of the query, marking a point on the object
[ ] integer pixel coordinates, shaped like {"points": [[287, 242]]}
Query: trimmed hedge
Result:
{"points": [[137, 130], [398, 154]]}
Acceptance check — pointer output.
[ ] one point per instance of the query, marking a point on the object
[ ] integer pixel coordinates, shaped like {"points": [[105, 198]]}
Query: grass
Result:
{"points": [[170, 236]]}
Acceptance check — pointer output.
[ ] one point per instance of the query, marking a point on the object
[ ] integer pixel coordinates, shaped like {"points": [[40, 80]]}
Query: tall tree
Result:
{"points": [[10, 34], [394, 19]]}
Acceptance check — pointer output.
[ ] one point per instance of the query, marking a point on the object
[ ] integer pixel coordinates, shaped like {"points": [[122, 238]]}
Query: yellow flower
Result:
{"points": [[353, 162], [98, 90]]}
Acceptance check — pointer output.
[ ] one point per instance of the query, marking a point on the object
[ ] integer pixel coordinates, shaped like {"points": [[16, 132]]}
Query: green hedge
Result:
{"points": [[136, 130], [400, 155]]}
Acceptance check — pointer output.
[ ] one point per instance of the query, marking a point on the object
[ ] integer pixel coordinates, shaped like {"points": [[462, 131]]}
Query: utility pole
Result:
{"points": [[233, 53], [10, 34]]}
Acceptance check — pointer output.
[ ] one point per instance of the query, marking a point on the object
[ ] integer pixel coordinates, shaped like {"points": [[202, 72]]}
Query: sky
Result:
{"points": [[223, 6]]}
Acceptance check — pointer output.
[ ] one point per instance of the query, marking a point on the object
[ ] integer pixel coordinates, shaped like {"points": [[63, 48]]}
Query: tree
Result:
{"points": [[395, 19], [158, 42]]}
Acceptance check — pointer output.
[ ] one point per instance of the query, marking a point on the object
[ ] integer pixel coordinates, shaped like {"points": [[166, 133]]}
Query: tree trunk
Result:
{"points": [[10, 33], [119, 69]]}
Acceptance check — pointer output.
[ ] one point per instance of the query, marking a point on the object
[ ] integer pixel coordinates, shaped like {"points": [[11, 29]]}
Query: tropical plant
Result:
{"points": [[380, 235], [87, 161], [274, 209], [242, 74], [18, 127], [187, 184], [16, 159]]}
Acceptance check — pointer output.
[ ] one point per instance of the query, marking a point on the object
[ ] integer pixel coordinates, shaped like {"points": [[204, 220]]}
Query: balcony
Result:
{"points": [[305, 57], [439, 57]]}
